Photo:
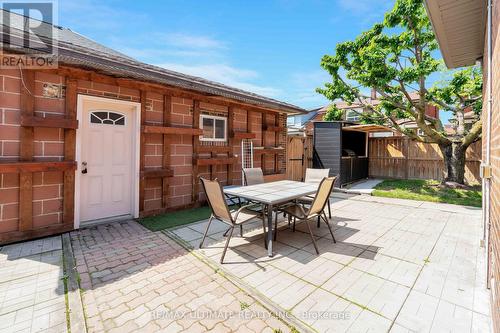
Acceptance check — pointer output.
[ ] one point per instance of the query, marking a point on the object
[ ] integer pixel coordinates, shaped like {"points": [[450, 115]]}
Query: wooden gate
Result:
{"points": [[299, 157]]}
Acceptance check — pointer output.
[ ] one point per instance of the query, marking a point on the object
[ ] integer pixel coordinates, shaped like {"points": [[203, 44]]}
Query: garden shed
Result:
{"points": [[103, 136], [343, 148]]}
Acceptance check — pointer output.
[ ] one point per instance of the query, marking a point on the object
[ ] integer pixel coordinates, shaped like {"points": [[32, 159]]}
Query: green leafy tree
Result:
{"points": [[333, 113], [396, 58]]}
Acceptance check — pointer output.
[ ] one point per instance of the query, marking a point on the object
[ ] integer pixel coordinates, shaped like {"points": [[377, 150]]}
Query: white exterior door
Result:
{"points": [[107, 157]]}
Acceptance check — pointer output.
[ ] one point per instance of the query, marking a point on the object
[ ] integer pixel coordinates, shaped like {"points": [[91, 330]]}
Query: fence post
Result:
{"points": [[406, 154]]}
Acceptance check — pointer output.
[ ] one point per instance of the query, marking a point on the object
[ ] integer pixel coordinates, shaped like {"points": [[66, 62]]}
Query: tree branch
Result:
{"points": [[473, 134]]}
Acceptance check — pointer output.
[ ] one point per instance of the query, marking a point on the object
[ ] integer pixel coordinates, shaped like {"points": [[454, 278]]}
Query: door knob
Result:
{"points": [[84, 167]]}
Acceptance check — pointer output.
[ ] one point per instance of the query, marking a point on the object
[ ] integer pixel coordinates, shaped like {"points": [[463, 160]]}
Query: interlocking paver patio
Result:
{"points": [[31, 287], [134, 279], [398, 266]]}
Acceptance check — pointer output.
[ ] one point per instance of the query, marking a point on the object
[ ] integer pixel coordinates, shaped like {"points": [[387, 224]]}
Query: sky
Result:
{"points": [[269, 47]]}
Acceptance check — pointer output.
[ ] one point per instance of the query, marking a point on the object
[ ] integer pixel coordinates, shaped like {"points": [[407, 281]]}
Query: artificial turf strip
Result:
{"points": [[174, 219], [181, 217], [428, 190]]}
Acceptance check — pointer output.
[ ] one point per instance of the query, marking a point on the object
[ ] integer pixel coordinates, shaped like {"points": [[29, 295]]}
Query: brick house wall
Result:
{"points": [[49, 145], [494, 243], [432, 111]]}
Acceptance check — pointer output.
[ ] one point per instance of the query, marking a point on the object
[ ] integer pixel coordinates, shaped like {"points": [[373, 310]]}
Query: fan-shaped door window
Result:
{"points": [[107, 117]]}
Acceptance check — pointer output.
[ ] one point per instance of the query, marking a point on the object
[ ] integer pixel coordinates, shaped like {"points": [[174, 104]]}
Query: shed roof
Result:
{"points": [[368, 128], [460, 27], [76, 50]]}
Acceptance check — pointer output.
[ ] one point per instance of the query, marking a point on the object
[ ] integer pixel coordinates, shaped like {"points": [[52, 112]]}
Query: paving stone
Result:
{"points": [[453, 318], [418, 312], [389, 299], [25, 249], [215, 227], [304, 265], [396, 328], [368, 321], [481, 323], [31, 287], [392, 269], [343, 280], [187, 234], [315, 309], [340, 252]]}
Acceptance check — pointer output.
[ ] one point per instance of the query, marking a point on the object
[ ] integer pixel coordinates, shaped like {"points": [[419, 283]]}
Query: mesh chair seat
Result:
{"points": [[295, 210], [306, 198], [245, 215]]}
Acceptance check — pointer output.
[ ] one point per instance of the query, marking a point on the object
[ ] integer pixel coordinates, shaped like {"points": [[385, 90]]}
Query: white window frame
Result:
{"points": [[109, 111], [420, 132], [357, 117], [207, 116]]}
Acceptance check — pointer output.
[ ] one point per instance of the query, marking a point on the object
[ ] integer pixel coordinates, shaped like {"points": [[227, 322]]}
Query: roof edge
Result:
{"points": [[436, 17]]}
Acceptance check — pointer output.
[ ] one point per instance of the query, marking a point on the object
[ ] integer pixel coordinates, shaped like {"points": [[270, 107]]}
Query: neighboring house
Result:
{"points": [[468, 33], [304, 124], [295, 123], [470, 117], [105, 136], [352, 113], [449, 129], [430, 110]]}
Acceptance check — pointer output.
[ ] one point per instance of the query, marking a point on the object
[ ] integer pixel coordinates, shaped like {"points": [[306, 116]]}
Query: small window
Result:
{"points": [[105, 117], [420, 132], [214, 128], [353, 115]]}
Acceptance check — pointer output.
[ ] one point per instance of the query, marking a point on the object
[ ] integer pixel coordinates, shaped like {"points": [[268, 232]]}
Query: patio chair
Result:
{"points": [[253, 176], [315, 176], [315, 210], [221, 212]]}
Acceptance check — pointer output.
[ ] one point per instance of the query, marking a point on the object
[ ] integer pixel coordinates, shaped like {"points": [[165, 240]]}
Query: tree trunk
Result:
{"points": [[454, 162]]}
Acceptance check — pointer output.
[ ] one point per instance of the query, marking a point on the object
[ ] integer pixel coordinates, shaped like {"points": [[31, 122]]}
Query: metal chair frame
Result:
{"points": [[231, 220]]}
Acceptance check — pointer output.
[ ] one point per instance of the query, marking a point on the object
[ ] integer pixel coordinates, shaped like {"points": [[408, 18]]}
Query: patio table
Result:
{"points": [[272, 194]]}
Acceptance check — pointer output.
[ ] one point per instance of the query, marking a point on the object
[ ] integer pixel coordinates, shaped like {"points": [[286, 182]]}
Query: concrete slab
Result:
{"points": [[365, 186]]}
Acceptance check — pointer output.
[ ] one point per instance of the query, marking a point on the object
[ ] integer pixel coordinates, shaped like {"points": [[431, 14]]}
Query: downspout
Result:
{"points": [[486, 168]]}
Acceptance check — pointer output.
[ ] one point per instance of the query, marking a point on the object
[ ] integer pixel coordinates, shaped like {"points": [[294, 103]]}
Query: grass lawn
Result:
{"points": [[174, 219], [428, 190]]}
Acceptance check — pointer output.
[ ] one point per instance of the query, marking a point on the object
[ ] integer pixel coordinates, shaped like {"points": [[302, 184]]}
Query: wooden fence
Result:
{"points": [[402, 158], [299, 156]]}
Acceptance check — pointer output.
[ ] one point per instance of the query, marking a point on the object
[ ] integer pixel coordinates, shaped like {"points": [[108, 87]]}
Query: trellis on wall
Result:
{"points": [[167, 130], [26, 165]]}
